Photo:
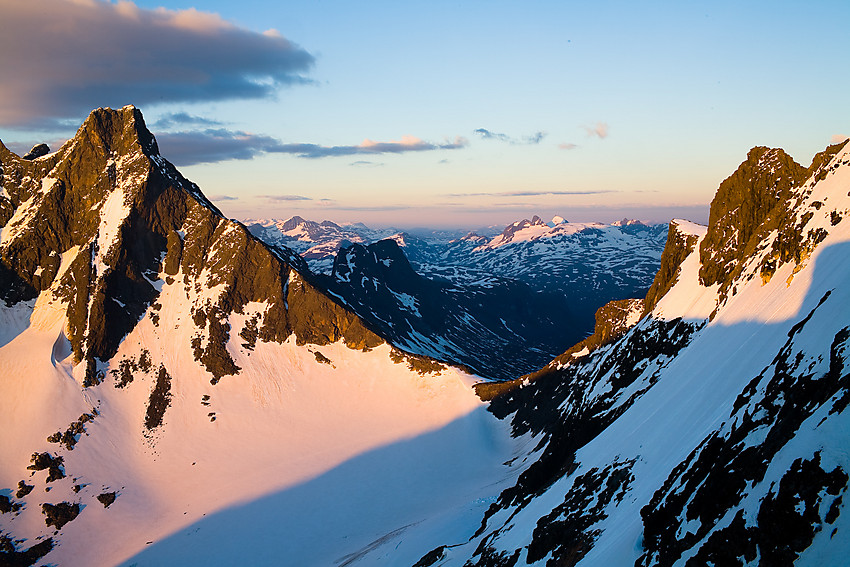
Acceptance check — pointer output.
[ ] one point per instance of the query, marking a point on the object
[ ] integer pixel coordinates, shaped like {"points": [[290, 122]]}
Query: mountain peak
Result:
{"points": [[744, 201], [117, 131]]}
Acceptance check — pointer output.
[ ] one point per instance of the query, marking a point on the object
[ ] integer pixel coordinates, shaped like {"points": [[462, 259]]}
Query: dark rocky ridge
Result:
{"points": [[164, 226]]}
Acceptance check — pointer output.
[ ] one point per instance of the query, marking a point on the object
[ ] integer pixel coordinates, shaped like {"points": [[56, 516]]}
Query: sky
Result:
{"points": [[440, 113]]}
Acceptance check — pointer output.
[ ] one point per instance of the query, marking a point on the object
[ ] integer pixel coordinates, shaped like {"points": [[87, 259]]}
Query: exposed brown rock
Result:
{"points": [[23, 489], [37, 151], [42, 461], [316, 319], [416, 362], [160, 399], [11, 557], [747, 203], [106, 498], [59, 514]]}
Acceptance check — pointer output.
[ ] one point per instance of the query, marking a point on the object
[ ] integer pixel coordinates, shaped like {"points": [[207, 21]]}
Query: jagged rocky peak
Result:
{"points": [[713, 431], [105, 224], [765, 194], [627, 222], [515, 227], [292, 223], [742, 203]]}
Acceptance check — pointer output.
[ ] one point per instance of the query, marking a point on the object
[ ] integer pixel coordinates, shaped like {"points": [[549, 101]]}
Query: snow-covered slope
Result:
{"points": [[163, 372], [715, 430]]}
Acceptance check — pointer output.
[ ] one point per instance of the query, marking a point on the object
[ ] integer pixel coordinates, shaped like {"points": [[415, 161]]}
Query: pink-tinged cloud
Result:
{"points": [[367, 147], [600, 130], [61, 58], [220, 144], [838, 138], [567, 146]]}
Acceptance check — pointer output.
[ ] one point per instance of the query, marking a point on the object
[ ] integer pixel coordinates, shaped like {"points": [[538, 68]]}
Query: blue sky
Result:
{"points": [[438, 113]]}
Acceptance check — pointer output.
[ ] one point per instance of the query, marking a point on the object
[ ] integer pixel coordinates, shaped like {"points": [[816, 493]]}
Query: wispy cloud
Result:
{"points": [[533, 139], [222, 198], [526, 193], [364, 163], [600, 130], [367, 147], [183, 119], [286, 198], [213, 145], [567, 146], [61, 59], [220, 144], [373, 208]]}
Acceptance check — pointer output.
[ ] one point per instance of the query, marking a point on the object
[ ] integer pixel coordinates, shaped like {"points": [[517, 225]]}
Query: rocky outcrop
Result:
{"points": [[37, 151], [745, 204], [704, 441]]}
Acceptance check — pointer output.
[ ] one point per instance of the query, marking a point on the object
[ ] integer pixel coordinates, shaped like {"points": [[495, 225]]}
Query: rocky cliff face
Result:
{"points": [[761, 198]]}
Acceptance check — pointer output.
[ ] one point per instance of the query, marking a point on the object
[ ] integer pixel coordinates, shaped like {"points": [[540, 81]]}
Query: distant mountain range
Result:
{"points": [[502, 305]]}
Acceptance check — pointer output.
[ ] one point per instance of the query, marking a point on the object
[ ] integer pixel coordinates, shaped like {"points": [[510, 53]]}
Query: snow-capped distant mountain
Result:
{"points": [[588, 264], [525, 294], [317, 242]]}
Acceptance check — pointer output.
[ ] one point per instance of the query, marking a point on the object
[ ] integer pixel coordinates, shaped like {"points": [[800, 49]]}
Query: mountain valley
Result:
{"points": [[183, 389]]}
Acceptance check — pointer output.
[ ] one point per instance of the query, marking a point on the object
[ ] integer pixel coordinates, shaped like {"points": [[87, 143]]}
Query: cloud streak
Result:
{"points": [[220, 144], [183, 119], [286, 197], [60, 59], [533, 139], [526, 193], [213, 145], [369, 147]]}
